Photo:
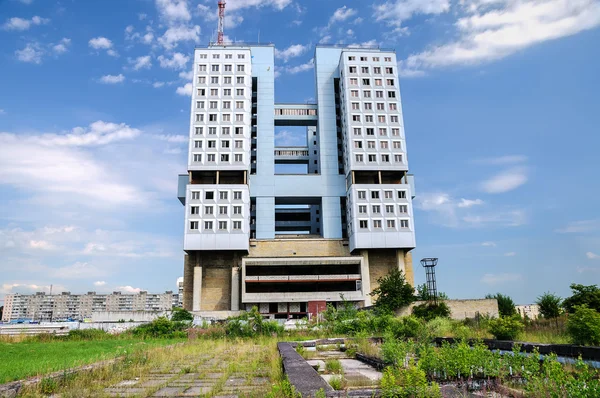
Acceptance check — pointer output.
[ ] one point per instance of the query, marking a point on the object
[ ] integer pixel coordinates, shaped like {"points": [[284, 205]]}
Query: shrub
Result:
{"points": [[429, 311], [394, 292], [407, 382], [584, 326], [283, 389], [505, 328], [333, 366], [48, 386], [408, 327], [506, 306], [252, 324], [161, 327], [394, 351], [337, 383], [180, 314], [88, 334]]}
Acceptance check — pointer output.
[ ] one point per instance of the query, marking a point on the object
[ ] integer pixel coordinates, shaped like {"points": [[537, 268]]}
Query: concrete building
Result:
{"points": [[59, 307], [256, 235]]}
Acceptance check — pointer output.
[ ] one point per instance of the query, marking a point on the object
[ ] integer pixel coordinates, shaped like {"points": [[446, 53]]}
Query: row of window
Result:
{"points": [[226, 80], [370, 131], [210, 195], [225, 144], [376, 70], [224, 104], [295, 112], [224, 130], [380, 118], [209, 210], [212, 157], [368, 106], [377, 224], [367, 94], [209, 225], [363, 58], [389, 209], [372, 158], [213, 117], [382, 144], [214, 92], [218, 56], [367, 81], [387, 194], [217, 68]]}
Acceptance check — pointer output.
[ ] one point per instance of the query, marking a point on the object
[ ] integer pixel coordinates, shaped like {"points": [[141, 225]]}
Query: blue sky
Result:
{"points": [[501, 106]]}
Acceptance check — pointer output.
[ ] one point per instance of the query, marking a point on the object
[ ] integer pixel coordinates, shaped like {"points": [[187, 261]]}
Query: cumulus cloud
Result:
{"points": [[292, 70], [506, 181], [465, 203], [32, 53], [21, 24], [112, 79], [185, 90], [189, 75], [342, 14], [62, 46], [177, 61], [143, 62], [498, 279], [592, 256], [98, 133], [129, 289], [395, 12], [40, 245], [100, 43], [99, 283], [492, 30], [173, 10], [181, 33], [292, 51]]}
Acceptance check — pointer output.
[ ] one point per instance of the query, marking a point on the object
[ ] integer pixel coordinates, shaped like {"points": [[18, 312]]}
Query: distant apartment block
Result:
{"points": [[66, 306], [290, 229]]}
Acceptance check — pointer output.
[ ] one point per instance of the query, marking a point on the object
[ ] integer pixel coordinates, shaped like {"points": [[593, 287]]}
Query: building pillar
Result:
{"points": [[331, 217], [188, 281], [408, 268], [235, 289], [197, 288], [265, 217], [365, 274]]}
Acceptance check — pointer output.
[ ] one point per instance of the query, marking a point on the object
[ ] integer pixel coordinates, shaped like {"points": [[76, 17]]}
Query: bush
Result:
{"points": [[252, 324], [549, 304], [584, 326], [408, 382], [337, 383], [88, 334], [429, 311], [505, 328], [179, 314], [333, 366], [408, 327], [161, 327], [506, 306]]}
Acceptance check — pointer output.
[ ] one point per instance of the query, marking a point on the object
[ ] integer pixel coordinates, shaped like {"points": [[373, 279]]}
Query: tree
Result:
{"points": [[583, 295], [394, 292], [1, 311], [179, 314], [549, 304], [506, 306], [584, 326], [423, 294]]}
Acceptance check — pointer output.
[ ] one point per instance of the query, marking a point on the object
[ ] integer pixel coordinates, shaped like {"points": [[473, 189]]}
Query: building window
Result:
{"points": [[237, 209], [202, 68], [360, 158], [212, 117], [241, 56], [388, 194], [199, 104], [216, 56], [226, 104], [391, 94], [378, 82], [383, 144], [356, 118], [372, 158], [227, 80], [363, 224], [389, 209], [199, 117], [227, 92], [223, 195], [403, 223], [367, 93], [213, 104], [203, 56], [362, 194], [358, 144], [240, 80], [355, 106], [353, 81], [239, 130], [214, 80], [398, 158], [385, 158], [391, 224], [379, 94], [210, 157], [209, 195], [381, 118], [195, 210], [393, 106], [193, 225], [197, 144], [240, 68], [389, 71], [396, 132], [215, 68], [198, 130], [376, 209], [238, 157], [226, 117], [222, 225], [352, 69], [354, 93], [237, 225], [225, 158], [214, 92], [237, 195], [376, 223], [239, 143], [388, 59], [223, 210], [357, 131], [195, 195], [371, 144], [363, 58], [351, 58], [390, 82], [377, 70], [197, 157], [397, 145], [362, 209], [208, 210], [394, 119], [228, 68], [403, 209], [212, 131], [212, 144], [370, 131], [201, 79], [364, 69], [374, 194], [368, 106], [208, 225], [401, 194], [366, 82], [375, 59], [224, 144], [239, 91]]}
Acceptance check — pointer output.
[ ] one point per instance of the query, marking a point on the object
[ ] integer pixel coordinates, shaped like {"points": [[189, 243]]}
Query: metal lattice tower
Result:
{"points": [[221, 21], [429, 265]]}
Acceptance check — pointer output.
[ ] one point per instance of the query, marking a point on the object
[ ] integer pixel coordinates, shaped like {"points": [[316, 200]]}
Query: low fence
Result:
{"points": [[63, 328], [462, 309]]}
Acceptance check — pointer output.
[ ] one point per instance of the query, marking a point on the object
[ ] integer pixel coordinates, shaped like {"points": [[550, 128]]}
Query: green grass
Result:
{"points": [[19, 360]]}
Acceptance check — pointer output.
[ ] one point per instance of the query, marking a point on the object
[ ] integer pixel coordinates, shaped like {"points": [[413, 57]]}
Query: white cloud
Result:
{"points": [[241, 4], [62, 46], [189, 75], [100, 43], [292, 70], [99, 283], [143, 62], [176, 34], [173, 10], [342, 14], [511, 218], [510, 254], [185, 90], [173, 138], [465, 203], [394, 13], [289, 138], [592, 256], [112, 79], [292, 51], [24, 24], [98, 133], [502, 160], [177, 61], [365, 44], [79, 270], [158, 84], [40, 245], [497, 279], [112, 53], [489, 244], [506, 181], [325, 39], [580, 227], [129, 289], [31, 53], [496, 29]]}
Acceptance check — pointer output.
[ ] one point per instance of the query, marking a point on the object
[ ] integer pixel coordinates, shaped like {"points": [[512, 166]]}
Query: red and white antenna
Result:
{"points": [[221, 21]]}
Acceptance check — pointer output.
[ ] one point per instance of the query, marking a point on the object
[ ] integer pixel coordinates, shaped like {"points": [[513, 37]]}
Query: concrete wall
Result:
{"points": [[136, 316], [462, 309], [299, 248]]}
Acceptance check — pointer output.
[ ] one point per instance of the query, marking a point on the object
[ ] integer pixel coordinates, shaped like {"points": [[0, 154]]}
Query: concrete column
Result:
{"points": [[365, 274], [331, 217], [408, 268], [188, 281], [400, 260], [235, 289], [197, 288], [265, 217]]}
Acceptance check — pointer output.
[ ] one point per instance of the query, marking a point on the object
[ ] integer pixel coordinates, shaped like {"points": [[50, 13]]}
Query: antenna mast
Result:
{"points": [[221, 21]]}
